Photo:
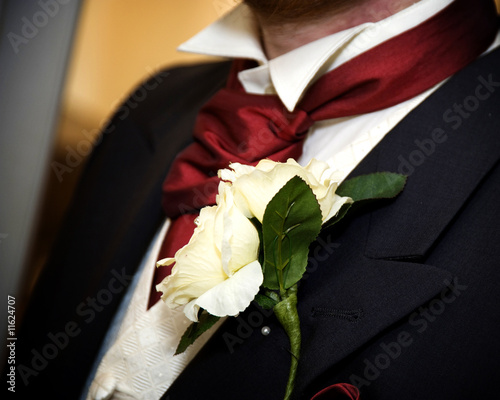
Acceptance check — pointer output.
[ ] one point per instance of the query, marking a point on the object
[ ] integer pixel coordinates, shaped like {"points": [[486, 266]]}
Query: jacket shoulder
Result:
{"points": [[171, 88]]}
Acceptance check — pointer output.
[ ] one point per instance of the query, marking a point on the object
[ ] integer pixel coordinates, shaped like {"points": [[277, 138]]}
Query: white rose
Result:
{"points": [[254, 187], [218, 269]]}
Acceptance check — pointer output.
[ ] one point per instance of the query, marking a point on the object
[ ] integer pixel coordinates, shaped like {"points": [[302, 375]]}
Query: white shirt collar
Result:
{"points": [[236, 35]]}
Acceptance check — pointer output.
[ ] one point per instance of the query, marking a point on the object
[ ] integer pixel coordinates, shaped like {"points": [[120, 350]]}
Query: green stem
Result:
{"points": [[286, 312]]}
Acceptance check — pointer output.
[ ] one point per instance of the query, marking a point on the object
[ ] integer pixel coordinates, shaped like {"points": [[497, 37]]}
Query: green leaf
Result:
{"points": [[267, 300], [195, 330], [291, 222], [258, 226], [379, 185], [341, 214]]}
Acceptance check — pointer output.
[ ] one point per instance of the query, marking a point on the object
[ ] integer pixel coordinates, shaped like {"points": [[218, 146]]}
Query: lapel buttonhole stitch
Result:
{"points": [[348, 315]]}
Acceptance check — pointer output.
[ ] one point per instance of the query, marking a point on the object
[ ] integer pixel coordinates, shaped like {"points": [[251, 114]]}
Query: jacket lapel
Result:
{"points": [[445, 159], [445, 162], [370, 273]]}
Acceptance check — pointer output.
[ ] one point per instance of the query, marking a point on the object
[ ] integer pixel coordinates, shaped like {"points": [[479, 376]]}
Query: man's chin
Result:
{"points": [[297, 10]]}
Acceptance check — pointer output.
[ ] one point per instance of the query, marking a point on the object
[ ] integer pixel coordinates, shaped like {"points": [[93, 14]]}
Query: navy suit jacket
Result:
{"points": [[401, 300]]}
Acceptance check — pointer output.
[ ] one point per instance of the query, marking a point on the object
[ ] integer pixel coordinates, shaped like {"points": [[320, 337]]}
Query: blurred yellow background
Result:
{"points": [[118, 43]]}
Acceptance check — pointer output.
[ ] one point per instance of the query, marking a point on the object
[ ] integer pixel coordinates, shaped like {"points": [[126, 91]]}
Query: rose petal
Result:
{"points": [[234, 294], [191, 310], [335, 207], [197, 265], [254, 187]]}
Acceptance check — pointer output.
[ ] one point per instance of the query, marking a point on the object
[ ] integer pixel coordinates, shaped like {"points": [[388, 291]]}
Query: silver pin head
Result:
{"points": [[265, 330]]}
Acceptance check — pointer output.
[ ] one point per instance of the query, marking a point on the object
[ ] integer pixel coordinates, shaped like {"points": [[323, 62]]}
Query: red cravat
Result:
{"points": [[235, 126]]}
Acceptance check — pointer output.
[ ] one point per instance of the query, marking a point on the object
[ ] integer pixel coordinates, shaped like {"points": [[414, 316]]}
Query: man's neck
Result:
{"points": [[280, 38]]}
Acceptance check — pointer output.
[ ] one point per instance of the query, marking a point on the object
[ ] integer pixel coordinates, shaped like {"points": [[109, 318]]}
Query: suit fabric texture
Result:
{"points": [[401, 299]]}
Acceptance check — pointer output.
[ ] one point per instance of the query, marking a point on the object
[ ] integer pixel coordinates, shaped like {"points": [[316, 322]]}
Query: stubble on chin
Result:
{"points": [[289, 11]]}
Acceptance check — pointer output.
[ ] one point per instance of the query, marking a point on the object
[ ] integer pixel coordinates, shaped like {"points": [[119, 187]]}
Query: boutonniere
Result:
{"points": [[253, 245]]}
